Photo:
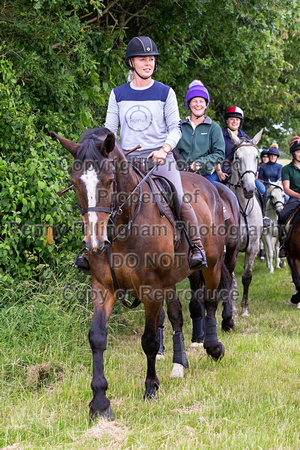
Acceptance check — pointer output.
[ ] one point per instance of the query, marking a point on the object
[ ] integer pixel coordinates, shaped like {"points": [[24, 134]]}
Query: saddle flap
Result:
{"points": [[169, 194], [292, 218]]}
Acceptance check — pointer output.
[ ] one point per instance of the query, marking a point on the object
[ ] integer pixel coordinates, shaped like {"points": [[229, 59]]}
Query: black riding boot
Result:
{"points": [[197, 257], [281, 237], [263, 198]]}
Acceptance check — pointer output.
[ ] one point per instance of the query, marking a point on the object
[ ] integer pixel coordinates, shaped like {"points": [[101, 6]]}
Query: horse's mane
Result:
{"points": [[89, 144]]}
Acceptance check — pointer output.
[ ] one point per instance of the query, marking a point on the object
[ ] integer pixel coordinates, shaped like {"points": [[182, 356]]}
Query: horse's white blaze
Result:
{"points": [[90, 180], [177, 371]]}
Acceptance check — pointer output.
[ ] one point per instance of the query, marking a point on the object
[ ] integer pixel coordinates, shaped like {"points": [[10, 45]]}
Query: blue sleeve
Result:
{"points": [[261, 173]]}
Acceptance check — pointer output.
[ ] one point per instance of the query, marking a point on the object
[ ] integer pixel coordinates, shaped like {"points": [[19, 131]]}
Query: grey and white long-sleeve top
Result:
{"points": [[147, 116]]}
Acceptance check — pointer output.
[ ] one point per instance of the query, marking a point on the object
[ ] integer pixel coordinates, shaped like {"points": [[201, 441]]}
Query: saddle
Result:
{"points": [[166, 198]]}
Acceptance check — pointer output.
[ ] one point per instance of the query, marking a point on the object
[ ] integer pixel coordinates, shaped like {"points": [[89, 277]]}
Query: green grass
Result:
{"points": [[248, 400]]}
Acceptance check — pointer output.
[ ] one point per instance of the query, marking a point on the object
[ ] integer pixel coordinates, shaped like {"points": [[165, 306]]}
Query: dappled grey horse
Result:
{"points": [[242, 183], [270, 235]]}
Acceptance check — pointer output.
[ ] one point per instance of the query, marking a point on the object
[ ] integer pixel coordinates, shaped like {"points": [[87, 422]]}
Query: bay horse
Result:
{"points": [[122, 220], [270, 238], [293, 257], [242, 183], [228, 283]]}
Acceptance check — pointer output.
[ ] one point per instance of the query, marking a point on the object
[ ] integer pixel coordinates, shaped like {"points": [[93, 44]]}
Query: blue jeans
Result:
{"points": [[210, 178], [260, 186]]}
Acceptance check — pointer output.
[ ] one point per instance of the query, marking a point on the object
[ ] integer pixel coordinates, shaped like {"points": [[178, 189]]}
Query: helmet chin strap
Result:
{"points": [[143, 78], [198, 117]]}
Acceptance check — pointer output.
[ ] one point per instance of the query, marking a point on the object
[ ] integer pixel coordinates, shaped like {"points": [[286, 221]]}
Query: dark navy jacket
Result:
{"points": [[228, 149], [270, 171]]}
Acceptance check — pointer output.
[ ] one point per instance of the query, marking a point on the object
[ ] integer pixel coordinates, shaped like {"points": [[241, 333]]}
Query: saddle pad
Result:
{"points": [[226, 213], [292, 219]]}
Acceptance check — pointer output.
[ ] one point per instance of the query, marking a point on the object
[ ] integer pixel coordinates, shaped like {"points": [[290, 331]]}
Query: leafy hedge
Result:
{"points": [[33, 167], [30, 208]]}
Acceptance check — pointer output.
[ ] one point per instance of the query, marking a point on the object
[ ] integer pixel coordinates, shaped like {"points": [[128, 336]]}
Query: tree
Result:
{"points": [[60, 59]]}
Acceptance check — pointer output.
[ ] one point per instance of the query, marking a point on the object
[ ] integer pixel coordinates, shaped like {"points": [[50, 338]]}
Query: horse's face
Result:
{"points": [[93, 177], [94, 184], [277, 197], [245, 166]]}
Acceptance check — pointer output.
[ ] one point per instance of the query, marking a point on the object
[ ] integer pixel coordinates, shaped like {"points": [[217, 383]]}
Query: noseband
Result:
{"points": [[109, 210], [278, 202], [244, 144]]}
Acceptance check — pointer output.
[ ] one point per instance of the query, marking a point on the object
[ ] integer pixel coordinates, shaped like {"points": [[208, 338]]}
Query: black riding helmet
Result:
{"points": [[140, 46], [264, 152]]}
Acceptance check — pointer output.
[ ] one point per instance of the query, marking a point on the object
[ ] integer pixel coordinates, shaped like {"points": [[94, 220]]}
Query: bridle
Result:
{"points": [[278, 202], [104, 209], [235, 148], [114, 212], [243, 211]]}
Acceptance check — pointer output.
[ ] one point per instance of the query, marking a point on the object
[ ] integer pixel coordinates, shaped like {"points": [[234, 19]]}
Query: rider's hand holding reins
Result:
{"points": [[222, 175], [161, 154]]}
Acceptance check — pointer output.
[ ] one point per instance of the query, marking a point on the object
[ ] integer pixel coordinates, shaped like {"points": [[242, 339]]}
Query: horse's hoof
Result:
{"points": [[295, 298], [216, 352], [228, 325], [107, 414], [244, 313], [282, 264], [149, 396], [298, 306], [177, 371]]}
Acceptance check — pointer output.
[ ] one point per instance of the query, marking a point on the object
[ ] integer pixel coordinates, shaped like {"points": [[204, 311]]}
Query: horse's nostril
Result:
{"points": [[83, 243]]}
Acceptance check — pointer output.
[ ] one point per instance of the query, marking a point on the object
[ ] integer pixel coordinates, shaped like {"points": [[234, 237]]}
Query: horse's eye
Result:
{"points": [[109, 183]]}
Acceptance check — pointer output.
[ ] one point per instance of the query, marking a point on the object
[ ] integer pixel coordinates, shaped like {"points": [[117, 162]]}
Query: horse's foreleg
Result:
{"points": [[175, 316], [267, 240], [295, 268], [103, 303], [196, 307], [277, 259], [212, 345], [150, 344], [246, 280], [226, 293]]}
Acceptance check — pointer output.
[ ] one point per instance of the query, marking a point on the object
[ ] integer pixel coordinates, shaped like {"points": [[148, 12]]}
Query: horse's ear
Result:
{"points": [[68, 145], [257, 137], [109, 143], [235, 139]]}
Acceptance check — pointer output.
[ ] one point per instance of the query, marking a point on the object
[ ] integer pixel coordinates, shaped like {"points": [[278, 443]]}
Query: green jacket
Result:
{"points": [[205, 144]]}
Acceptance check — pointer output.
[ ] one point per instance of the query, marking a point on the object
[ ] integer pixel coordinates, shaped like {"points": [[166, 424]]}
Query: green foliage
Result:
{"points": [[60, 59], [29, 206]]}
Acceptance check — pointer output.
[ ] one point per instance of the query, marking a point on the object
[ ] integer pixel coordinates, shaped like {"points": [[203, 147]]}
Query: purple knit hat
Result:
{"points": [[196, 89]]}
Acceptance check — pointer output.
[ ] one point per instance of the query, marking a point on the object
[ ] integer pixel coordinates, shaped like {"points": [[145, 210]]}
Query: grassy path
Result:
{"points": [[249, 400]]}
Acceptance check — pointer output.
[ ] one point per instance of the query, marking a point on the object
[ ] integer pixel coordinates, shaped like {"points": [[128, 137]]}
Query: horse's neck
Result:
{"points": [[125, 177]]}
